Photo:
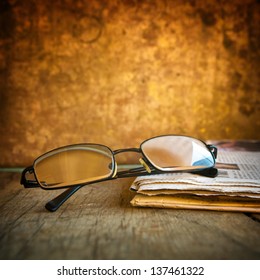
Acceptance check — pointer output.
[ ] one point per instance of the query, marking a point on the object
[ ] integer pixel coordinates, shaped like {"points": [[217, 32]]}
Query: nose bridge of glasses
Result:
{"points": [[125, 165], [119, 151]]}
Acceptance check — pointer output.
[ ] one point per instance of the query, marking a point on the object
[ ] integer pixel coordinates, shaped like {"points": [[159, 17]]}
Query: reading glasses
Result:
{"points": [[75, 166]]}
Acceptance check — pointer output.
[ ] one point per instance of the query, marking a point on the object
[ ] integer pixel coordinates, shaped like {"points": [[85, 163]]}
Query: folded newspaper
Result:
{"points": [[236, 188]]}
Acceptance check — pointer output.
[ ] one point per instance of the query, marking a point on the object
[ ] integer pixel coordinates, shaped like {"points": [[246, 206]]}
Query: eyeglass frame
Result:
{"points": [[147, 169]]}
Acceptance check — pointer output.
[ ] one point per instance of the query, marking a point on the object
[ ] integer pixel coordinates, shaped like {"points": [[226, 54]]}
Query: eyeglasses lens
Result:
{"points": [[74, 165], [173, 153]]}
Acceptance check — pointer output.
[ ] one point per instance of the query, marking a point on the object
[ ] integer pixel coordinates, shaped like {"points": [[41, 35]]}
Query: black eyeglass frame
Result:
{"points": [[54, 204]]}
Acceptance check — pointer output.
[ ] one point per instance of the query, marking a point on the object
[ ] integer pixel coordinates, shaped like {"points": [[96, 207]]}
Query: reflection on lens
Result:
{"points": [[73, 165], [177, 153]]}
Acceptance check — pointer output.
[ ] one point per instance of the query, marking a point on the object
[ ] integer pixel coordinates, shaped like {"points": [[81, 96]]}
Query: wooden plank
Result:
{"points": [[98, 222]]}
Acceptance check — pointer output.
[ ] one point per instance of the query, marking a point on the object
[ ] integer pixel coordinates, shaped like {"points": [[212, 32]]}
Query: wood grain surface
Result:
{"points": [[98, 222]]}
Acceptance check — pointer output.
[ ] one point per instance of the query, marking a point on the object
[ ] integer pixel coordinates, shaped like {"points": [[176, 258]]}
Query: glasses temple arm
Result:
{"points": [[55, 203], [211, 172]]}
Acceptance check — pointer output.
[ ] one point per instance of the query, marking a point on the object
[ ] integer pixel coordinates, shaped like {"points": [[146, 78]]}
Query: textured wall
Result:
{"points": [[117, 72]]}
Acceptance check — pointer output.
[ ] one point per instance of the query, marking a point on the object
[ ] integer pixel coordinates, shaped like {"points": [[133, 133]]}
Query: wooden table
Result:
{"points": [[98, 222]]}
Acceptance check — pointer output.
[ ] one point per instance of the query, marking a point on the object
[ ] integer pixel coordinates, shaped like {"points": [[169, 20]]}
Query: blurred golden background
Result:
{"points": [[118, 72]]}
